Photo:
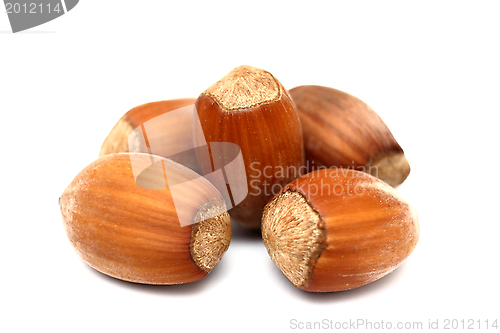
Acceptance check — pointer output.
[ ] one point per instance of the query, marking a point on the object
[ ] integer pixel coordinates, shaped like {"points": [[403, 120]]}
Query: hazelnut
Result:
{"points": [[144, 129], [338, 229], [249, 107], [133, 232], [342, 131]]}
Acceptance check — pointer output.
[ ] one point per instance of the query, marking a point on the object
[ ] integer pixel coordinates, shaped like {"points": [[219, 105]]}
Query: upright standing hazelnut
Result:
{"points": [[250, 107], [131, 229], [342, 131], [338, 229]]}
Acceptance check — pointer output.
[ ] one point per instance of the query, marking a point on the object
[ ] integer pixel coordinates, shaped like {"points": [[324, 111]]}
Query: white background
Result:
{"points": [[430, 69]]}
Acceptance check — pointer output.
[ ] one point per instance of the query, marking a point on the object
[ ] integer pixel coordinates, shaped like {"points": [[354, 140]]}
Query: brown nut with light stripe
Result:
{"points": [[338, 229], [342, 131], [132, 232]]}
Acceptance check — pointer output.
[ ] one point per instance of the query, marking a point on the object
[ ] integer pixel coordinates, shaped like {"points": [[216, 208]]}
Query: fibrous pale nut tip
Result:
{"points": [[393, 168], [211, 237], [243, 88], [294, 236]]}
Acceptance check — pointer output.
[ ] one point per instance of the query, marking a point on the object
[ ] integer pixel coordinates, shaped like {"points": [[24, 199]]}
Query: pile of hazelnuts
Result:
{"points": [[313, 168]]}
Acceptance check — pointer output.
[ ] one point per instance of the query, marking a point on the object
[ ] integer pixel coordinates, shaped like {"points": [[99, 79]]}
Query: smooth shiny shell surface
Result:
{"points": [[270, 140], [131, 232], [340, 130], [370, 229]]}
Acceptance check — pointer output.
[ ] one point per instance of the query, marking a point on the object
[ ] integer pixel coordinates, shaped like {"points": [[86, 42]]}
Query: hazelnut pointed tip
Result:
{"points": [[393, 168]]}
